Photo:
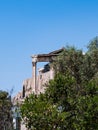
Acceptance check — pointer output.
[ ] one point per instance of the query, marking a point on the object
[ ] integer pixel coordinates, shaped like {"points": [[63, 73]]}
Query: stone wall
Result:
{"points": [[42, 78]]}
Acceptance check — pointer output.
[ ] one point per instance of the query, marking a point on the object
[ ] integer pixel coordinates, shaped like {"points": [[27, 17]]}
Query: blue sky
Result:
{"points": [[39, 26]]}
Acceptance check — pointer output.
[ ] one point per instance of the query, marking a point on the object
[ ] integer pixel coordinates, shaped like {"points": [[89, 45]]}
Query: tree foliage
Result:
{"points": [[5, 111], [70, 101]]}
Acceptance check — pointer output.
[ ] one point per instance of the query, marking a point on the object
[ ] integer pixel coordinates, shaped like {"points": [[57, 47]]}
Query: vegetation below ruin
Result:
{"points": [[6, 120], [70, 101]]}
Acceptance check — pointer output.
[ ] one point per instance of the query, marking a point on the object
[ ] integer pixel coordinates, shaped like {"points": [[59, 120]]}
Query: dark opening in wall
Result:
{"points": [[46, 68], [23, 91]]}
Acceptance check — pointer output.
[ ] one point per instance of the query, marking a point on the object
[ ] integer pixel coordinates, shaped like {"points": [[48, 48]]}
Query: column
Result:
{"points": [[51, 73], [34, 64]]}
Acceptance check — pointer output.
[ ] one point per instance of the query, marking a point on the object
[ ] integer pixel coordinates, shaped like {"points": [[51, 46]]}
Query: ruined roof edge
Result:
{"points": [[53, 53]]}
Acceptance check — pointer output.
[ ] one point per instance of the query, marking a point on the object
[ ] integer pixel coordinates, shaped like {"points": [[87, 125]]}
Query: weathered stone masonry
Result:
{"points": [[35, 84]]}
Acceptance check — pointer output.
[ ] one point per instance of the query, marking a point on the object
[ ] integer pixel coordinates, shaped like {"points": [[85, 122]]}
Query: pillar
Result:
{"points": [[34, 64]]}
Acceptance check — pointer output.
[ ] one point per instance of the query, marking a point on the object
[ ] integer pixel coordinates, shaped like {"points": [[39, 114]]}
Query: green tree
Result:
{"points": [[78, 102], [70, 101], [5, 111], [93, 55], [63, 106]]}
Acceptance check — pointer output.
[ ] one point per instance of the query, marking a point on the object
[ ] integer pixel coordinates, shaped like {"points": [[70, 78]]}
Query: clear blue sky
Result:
{"points": [[39, 26]]}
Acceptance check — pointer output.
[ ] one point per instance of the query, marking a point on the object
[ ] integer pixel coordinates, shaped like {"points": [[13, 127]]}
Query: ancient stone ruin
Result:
{"points": [[36, 83]]}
